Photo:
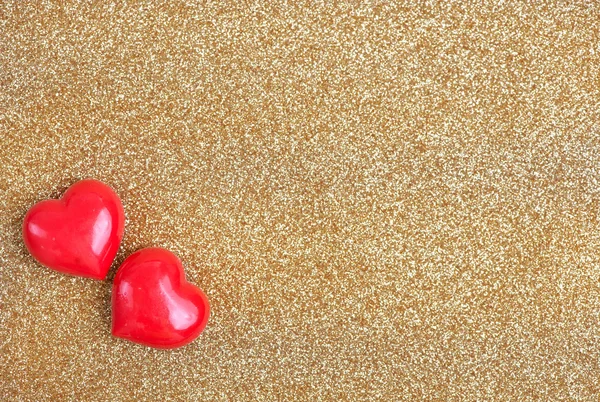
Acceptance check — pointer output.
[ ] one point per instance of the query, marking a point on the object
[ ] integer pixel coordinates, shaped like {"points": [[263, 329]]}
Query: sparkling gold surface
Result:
{"points": [[382, 201]]}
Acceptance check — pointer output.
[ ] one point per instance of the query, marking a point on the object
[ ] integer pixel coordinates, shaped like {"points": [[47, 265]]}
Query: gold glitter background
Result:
{"points": [[382, 200]]}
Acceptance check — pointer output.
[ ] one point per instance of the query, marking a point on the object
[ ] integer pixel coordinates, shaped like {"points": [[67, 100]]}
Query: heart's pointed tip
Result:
{"points": [[160, 346], [98, 277], [102, 276]]}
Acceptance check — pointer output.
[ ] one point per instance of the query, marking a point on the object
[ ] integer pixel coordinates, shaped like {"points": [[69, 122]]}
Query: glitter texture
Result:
{"points": [[382, 200]]}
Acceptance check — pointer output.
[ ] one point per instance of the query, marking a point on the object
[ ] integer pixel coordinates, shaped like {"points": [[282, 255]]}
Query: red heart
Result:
{"points": [[153, 304], [78, 234]]}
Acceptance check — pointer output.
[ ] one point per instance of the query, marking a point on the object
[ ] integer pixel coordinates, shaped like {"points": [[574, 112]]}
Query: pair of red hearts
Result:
{"points": [[152, 303]]}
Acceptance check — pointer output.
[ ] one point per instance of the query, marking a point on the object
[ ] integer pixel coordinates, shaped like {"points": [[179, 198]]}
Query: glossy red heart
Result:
{"points": [[78, 234], [153, 304]]}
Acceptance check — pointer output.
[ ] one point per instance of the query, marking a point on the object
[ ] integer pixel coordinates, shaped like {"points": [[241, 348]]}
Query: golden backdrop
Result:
{"points": [[382, 200]]}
